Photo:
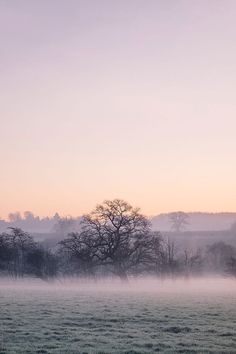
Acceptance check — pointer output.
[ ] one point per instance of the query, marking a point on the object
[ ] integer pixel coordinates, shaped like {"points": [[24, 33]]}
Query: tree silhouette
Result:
{"points": [[114, 234], [178, 220]]}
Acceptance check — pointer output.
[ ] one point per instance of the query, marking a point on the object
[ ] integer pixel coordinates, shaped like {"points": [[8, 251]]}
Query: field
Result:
{"points": [[140, 317]]}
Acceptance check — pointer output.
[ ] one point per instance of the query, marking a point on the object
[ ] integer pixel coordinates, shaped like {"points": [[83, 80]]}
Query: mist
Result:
{"points": [[144, 285], [143, 315]]}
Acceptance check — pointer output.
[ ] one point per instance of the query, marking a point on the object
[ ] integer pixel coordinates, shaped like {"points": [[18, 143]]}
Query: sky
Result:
{"points": [[131, 99]]}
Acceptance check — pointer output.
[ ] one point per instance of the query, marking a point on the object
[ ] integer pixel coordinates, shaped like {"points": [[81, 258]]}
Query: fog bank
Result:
{"points": [[135, 285]]}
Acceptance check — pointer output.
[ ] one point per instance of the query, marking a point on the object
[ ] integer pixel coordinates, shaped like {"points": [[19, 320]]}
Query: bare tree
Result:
{"points": [[178, 220], [114, 234], [28, 215], [192, 261], [14, 217], [169, 259], [218, 255]]}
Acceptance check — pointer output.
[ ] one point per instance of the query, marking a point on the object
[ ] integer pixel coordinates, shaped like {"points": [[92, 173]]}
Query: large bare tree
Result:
{"points": [[114, 234]]}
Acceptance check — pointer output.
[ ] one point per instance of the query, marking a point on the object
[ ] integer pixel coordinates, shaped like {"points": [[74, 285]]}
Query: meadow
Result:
{"points": [[195, 316]]}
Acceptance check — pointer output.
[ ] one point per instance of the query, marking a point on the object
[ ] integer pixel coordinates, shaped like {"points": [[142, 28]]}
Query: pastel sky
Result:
{"points": [[133, 99]]}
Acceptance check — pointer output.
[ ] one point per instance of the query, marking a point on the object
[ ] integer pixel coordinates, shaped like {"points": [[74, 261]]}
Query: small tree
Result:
{"points": [[14, 217], [168, 258], [178, 220], [218, 255], [192, 261]]}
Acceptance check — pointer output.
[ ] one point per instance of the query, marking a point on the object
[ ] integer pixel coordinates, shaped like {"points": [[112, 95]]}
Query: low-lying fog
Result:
{"points": [[140, 285], [194, 315]]}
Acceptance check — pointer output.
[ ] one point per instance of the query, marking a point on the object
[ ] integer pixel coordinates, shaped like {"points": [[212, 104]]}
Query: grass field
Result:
{"points": [[143, 317]]}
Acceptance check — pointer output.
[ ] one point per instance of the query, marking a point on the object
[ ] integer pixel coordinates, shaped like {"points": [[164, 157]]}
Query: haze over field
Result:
{"points": [[140, 317]]}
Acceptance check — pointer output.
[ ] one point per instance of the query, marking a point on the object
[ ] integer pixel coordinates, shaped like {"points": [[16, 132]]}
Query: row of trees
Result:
{"points": [[116, 239], [33, 223], [20, 255]]}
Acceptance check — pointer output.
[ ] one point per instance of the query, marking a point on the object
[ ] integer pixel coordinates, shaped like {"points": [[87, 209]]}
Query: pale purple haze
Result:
{"points": [[132, 99]]}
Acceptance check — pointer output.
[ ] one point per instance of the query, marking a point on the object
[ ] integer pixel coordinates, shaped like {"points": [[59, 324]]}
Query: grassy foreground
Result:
{"points": [[112, 319]]}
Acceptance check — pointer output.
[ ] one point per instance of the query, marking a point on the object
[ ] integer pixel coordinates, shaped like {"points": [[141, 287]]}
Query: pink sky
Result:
{"points": [[132, 99]]}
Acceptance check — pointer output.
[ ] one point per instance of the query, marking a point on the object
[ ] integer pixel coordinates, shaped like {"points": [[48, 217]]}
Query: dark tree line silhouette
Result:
{"points": [[114, 239], [20, 255]]}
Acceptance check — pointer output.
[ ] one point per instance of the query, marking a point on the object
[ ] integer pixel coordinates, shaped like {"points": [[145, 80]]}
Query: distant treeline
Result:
{"points": [[114, 239], [178, 221], [30, 222]]}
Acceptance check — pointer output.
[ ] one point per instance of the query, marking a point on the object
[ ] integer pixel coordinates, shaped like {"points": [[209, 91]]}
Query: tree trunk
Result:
{"points": [[121, 273]]}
